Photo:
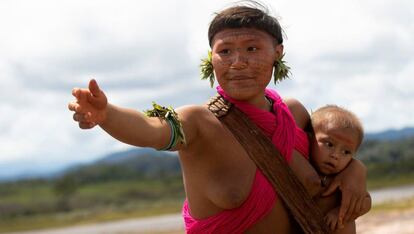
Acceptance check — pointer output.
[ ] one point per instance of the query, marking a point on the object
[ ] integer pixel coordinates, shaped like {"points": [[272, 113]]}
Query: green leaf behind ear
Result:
{"points": [[206, 69], [281, 70]]}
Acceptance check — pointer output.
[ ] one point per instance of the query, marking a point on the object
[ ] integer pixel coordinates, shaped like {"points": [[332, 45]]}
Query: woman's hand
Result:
{"points": [[331, 219], [352, 184], [90, 106]]}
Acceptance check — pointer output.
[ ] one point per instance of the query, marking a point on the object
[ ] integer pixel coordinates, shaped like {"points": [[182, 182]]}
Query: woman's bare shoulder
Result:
{"points": [[196, 120], [299, 112], [194, 113]]}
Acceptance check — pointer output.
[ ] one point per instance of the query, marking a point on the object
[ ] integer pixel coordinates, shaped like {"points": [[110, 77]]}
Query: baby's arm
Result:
{"points": [[127, 125], [352, 184], [329, 205]]}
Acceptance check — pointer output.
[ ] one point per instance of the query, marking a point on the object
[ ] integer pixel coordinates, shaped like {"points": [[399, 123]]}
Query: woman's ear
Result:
{"points": [[279, 51]]}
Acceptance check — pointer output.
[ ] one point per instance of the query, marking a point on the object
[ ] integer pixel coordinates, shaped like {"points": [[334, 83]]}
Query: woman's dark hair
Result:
{"points": [[246, 17]]}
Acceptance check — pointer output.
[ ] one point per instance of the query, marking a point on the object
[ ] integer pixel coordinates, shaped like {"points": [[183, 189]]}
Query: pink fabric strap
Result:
{"points": [[280, 127]]}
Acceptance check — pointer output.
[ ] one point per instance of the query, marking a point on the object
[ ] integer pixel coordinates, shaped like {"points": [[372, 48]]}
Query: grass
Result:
{"points": [[100, 214], [389, 181], [29, 206], [95, 215]]}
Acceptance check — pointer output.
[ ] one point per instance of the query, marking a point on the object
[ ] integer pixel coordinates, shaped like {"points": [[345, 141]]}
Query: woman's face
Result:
{"points": [[243, 61]]}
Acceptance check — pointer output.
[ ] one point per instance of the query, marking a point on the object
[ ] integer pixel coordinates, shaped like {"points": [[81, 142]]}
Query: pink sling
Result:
{"points": [[280, 127]]}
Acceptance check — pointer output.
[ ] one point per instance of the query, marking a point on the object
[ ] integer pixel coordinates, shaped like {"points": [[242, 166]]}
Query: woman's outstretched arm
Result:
{"points": [[126, 125]]}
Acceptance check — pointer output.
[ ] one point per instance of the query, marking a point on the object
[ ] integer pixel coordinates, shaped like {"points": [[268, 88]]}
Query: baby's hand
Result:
{"points": [[352, 184], [332, 220], [90, 106]]}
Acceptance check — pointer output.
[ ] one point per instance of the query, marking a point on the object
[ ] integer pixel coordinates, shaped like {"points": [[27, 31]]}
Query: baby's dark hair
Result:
{"points": [[250, 15], [339, 117]]}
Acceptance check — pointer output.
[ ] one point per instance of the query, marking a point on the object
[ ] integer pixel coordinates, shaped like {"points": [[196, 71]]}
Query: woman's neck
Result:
{"points": [[262, 103]]}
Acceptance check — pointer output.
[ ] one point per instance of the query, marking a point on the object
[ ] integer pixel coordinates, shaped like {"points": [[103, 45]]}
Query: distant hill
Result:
{"points": [[136, 163], [391, 134], [131, 154]]}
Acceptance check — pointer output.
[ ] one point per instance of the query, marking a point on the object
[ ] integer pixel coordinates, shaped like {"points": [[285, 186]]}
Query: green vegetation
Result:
{"points": [[142, 185], [117, 187], [389, 163], [39, 204]]}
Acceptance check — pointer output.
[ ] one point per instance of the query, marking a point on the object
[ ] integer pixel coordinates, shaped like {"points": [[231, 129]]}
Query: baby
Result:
{"points": [[337, 135]]}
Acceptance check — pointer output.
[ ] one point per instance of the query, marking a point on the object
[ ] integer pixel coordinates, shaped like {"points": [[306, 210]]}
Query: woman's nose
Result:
{"points": [[239, 61]]}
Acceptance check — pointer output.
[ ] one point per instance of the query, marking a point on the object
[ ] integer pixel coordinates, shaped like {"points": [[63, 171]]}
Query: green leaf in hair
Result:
{"points": [[206, 68]]}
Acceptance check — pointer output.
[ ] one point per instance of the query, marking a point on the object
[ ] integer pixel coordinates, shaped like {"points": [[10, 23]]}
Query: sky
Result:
{"points": [[358, 54]]}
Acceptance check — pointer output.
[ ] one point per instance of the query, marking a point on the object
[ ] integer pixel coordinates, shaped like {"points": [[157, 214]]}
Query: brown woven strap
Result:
{"points": [[219, 106], [269, 160]]}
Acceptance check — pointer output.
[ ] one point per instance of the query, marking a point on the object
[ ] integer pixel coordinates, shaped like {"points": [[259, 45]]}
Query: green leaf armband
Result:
{"points": [[171, 117]]}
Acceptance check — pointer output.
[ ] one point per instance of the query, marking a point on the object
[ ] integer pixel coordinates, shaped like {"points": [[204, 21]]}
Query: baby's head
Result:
{"points": [[338, 134]]}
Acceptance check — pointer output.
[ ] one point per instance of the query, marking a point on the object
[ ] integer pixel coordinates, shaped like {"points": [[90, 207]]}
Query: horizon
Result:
{"points": [[45, 171], [358, 55]]}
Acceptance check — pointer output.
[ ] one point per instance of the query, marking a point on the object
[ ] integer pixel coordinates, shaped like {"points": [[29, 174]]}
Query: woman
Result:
{"points": [[225, 192]]}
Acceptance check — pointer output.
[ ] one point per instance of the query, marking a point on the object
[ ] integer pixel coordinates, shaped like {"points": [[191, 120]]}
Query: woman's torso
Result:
{"points": [[218, 175]]}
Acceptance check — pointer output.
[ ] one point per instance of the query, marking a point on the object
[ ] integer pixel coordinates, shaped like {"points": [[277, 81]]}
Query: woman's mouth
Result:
{"points": [[240, 78]]}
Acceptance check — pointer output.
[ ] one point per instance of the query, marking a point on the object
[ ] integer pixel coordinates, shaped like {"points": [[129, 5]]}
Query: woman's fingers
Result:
{"points": [[75, 92], [79, 117], [94, 88], [351, 208], [330, 222], [81, 95], [332, 187], [89, 106], [83, 117], [343, 209], [332, 225], [357, 210], [86, 125], [96, 97], [73, 106]]}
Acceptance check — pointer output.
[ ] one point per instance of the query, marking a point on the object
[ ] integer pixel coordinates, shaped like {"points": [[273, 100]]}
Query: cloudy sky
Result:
{"points": [[355, 53]]}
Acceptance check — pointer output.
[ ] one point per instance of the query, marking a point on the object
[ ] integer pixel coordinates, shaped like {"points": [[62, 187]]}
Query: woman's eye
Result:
{"points": [[224, 51], [251, 49], [328, 144]]}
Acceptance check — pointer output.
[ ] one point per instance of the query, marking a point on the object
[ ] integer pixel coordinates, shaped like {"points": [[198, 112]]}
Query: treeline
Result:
{"points": [[139, 166], [390, 161]]}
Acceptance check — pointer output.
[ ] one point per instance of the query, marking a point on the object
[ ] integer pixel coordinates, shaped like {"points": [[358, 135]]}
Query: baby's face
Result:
{"points": [[333, 149]]}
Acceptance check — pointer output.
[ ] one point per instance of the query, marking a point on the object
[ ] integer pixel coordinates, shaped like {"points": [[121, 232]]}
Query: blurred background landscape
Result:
{"points": [[143, 182], [356, 54]]}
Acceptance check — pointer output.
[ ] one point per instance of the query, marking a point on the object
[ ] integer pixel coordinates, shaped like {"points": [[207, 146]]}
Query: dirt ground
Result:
{"points": [[375, 222], [387, 222]]}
